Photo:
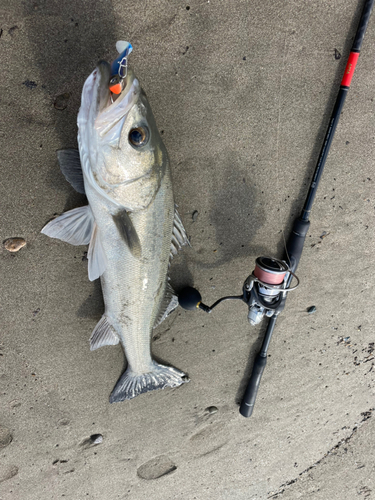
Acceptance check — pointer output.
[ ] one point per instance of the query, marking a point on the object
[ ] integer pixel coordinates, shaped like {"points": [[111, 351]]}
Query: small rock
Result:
{"points": [[14, 244], [337, 55], [212, 409], [311, 310], [61, 101], [194, 215]]}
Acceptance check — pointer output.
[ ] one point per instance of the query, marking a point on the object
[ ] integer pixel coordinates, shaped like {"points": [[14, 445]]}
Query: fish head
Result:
{"points": [[122, 154]]}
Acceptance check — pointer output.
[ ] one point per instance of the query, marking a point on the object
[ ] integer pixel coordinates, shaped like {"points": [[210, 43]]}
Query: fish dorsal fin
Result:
{"points": [[127, 232], [179, 236], [74, 227], [103, 334], [70, 165], [96, 256], [168, 305]]}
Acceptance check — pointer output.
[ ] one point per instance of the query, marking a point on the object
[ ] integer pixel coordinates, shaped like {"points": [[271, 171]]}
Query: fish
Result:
{"points": [[131, 223]]}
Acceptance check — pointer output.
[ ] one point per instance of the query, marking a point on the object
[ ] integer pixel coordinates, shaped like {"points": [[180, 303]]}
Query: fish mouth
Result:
{"points": [[105, 97], [110, 110]]}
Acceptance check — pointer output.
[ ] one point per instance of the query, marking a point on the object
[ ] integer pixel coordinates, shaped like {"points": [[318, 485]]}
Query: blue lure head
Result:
{"points": [[119, 67]]}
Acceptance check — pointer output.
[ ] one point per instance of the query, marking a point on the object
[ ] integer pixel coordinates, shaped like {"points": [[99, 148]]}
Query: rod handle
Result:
{"points": [[296, 241], [248, 402], [361, 30]]}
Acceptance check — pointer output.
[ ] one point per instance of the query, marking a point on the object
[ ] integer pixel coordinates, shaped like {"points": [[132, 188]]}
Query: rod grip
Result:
{"points": [[248, 402], [296, 241], [361, 30]]}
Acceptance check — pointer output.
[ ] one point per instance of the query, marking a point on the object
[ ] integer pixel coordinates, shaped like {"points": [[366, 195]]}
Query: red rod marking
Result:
{"points": [[349, 70]]}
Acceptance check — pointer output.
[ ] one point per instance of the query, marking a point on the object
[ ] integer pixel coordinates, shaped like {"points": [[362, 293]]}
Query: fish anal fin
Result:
{"points": [[103, 334]]}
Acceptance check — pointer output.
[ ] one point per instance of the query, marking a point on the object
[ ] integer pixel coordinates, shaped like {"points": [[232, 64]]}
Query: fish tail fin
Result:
{"points": [[131, 385]]}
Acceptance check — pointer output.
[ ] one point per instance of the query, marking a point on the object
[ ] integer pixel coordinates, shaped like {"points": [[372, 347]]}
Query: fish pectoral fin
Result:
{"points": [[168, 305], [74, 227], [179, 236], [70, 165], [128, 233], [97, 260], [103, 334]]}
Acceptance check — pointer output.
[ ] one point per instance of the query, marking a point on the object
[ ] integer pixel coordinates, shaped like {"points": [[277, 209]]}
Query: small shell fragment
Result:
{"points": [[96, 439], [14, 244], [93, 440]]}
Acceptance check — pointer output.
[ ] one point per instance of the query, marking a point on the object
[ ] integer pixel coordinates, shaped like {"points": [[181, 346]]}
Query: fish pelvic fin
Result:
{"points": [[103, 334], [74, 227], [96, 256], [131, 385]]}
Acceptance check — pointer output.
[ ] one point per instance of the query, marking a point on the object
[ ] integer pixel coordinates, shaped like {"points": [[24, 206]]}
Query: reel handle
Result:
{"points": [[189, 298], [248, 401]]}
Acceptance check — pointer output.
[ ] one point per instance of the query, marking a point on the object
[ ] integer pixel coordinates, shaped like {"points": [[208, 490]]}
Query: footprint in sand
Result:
{"points": [[5, 437], [156, 467]]}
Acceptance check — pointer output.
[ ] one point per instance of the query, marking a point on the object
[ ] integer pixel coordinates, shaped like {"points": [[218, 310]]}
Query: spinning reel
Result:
{"points": [[266, 288], [264, 291]]}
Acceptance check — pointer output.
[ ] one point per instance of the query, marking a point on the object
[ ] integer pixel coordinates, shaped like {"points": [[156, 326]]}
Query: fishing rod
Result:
{"points": [[266, 289]]}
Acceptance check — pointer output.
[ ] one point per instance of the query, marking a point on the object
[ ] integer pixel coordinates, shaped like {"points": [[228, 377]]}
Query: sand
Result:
{"points": [[242, 93]]}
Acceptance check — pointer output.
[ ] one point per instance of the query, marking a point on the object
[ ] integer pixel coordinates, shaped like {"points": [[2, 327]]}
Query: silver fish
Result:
{"points": [[131, 224]]}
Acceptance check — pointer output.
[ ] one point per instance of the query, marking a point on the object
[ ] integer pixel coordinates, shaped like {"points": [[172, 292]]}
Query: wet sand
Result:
{"points": [[242, 93]]}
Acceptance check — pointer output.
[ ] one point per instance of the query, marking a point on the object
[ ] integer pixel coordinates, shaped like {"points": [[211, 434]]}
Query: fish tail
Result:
{"points": [[131, 385]]}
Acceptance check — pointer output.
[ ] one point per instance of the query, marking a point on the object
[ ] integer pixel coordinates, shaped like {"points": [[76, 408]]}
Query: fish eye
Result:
{"points": [[139, 136]]}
